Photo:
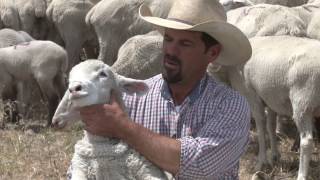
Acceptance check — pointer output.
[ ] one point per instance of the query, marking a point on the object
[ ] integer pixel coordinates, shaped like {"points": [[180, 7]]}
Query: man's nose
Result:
{"points": [[171, 49]]}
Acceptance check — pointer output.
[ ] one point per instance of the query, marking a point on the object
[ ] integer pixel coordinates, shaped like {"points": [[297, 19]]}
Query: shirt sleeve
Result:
{"points": [[217, 147]]}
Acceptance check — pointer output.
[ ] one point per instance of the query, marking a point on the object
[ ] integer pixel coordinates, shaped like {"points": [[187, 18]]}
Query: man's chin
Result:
{"points": [[171, 78]]}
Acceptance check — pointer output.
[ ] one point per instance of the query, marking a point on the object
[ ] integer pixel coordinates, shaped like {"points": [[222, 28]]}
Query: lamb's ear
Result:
{"points": [[130, 86]]}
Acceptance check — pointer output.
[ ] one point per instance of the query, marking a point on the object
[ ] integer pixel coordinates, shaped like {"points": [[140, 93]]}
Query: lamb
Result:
{"points": [[267, 20], [9, 37], [95, 157], [9, 16], [30, 13], [140, 56], [233, 4], [41, 61], [291, 89], [68, 18], [115, 21]]}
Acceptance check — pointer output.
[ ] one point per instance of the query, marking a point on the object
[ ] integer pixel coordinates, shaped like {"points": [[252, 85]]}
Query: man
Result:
{"points": [[187, 124]]}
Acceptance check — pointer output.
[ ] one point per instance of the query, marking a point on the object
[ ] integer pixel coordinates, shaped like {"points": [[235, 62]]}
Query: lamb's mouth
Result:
{"points": [[78, 94]]}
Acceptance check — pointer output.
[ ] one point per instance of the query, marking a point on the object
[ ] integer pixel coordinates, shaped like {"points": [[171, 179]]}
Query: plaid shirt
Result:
{"points": [[212, 125]]}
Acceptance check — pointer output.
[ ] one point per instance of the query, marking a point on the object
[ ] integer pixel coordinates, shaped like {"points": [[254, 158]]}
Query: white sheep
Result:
{"points": [[32, 12], [233, 4], [114, 21], [283, 74], [69, 20], [267, 20], [9, 16], [95, 157], [9, 37], [42, 61], [140, 56]]}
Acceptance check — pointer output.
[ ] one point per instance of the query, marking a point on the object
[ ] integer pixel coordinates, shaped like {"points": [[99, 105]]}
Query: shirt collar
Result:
{"points": [[195, 93]]}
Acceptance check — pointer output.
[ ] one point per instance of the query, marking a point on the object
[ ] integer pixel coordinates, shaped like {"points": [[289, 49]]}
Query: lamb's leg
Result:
{"points": [[48, 90], [302, 114], [258, 113], [60, 84], [23, 97], [280, 128], [78, 174], [271, 127], [304, 124]]}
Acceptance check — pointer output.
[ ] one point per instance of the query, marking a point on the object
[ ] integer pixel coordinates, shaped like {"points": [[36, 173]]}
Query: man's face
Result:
{"points": [[185, 56]]}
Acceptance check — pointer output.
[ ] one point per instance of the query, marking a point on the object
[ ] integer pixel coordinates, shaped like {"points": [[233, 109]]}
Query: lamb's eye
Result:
{"points": [[102, 74]]}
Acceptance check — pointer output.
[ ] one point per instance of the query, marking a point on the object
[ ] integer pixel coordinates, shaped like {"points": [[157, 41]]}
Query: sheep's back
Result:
{"points": [[25, 59], [9, 37], [274, 74], [266, 20]]}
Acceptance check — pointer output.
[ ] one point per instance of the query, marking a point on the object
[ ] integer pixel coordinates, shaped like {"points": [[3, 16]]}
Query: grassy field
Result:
{"points": [[30, 151]]}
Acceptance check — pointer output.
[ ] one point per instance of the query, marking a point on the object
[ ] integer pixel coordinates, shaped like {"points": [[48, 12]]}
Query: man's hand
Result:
{"points": [[104, 119]]}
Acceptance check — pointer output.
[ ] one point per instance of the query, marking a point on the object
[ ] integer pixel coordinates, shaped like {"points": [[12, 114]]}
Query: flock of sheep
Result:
{"points": [[282, 78]]}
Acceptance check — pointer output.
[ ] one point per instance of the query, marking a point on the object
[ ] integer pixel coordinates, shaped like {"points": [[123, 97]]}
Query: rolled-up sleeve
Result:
{"points": [[217, 147]]}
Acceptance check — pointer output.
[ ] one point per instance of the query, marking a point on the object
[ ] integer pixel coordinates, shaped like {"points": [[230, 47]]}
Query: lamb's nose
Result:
{"points": [[75, 88]]}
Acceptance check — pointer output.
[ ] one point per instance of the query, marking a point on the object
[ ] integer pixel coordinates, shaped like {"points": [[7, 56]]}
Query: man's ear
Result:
{"points": [[213, 52]]}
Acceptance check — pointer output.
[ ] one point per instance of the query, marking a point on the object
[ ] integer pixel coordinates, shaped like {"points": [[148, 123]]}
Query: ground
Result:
{"points": [[29, 150]]}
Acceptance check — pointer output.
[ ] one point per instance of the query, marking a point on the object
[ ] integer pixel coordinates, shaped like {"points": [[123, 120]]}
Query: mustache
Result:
{"points": [[175, 59]]}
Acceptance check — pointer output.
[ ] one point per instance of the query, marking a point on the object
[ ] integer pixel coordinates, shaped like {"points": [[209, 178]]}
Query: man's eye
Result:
{"points": [[102, 74]]}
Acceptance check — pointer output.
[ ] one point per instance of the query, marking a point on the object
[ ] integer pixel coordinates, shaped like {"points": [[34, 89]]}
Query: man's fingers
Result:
{"points": [[114, 97]]}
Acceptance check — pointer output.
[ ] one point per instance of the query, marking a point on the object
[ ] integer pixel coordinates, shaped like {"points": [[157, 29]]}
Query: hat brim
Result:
{"points": [[236, 48]]}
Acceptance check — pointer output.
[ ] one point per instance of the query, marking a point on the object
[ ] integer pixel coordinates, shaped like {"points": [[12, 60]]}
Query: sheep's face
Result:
{"points": [[91, 82]]}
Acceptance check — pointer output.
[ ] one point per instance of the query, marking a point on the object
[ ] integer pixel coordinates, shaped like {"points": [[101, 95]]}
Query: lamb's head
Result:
{"points": [[91, 82]]}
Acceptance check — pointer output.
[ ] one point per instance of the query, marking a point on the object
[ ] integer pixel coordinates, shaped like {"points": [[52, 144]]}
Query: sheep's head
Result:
{"points": [[91, 82]]}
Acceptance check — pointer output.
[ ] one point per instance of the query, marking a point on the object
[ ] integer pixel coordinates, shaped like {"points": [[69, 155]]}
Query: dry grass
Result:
{"points": [[29, 151]]}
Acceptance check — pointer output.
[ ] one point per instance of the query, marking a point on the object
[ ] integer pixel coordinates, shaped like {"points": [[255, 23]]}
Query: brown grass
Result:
{"points": [[29, 151]]}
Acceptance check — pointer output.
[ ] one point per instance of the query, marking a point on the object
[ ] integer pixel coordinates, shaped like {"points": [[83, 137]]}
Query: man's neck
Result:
{"points": [[179, 92]]}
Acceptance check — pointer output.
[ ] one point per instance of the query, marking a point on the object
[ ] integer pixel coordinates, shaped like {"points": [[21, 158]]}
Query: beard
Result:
{"points": [[172, 75]]}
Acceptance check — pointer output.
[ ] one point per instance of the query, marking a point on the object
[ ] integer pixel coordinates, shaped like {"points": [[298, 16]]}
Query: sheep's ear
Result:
{"points": [[131, 86]]}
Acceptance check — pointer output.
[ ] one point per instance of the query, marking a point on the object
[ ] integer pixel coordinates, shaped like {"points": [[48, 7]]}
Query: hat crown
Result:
{"points": [[197, 11]]}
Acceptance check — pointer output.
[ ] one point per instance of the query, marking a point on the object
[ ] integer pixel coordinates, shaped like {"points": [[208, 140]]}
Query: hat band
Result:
{"points": [[182, 21]]}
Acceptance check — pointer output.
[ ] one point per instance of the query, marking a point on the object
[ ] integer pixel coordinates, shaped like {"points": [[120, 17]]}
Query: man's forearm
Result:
{"points": [[160, 150]]}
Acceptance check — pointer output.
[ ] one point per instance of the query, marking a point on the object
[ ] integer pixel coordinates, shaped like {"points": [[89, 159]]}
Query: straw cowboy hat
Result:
{"points": [[205, 16]]}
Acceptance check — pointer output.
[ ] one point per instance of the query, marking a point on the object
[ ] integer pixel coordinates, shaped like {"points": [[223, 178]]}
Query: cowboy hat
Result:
{"points": [[205, 16]]}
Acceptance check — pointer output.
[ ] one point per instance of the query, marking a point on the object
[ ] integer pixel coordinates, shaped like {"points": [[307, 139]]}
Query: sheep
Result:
{"points": [[233, 4], [115, 21], [140, 56], [69, 19], [9, 16], [42, 61], [31, 14], [9, 37], [290, 88], [267, 19], [96, 157]]}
